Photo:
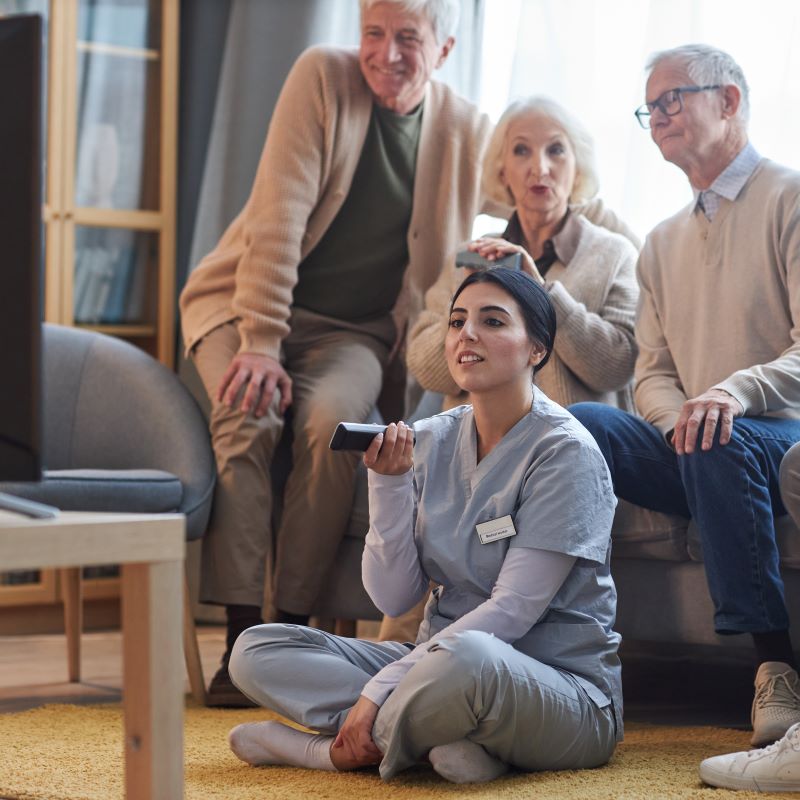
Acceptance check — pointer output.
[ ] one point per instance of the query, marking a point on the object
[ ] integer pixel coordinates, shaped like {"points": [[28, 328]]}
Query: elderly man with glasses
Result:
{"points": [[718, 371]]}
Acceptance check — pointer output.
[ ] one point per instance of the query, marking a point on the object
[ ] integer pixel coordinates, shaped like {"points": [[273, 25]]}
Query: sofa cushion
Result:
{"points": [[143, 491], [640, 533], [788, 541], [787, 533]]}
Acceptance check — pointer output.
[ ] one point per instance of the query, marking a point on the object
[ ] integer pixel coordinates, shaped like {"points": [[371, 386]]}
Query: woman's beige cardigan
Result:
{"points": [[595, 301]]}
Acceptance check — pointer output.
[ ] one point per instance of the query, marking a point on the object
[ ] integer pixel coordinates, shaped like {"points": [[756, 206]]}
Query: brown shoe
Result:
{"points": [[223, 694]]}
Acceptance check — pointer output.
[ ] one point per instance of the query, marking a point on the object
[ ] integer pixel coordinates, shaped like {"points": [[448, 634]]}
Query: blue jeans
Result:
{"points": [[731, 492]]}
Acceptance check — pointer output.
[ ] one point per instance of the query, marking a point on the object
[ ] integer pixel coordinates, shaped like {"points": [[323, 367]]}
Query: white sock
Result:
{"points": [[465, 762], [260, 743]]}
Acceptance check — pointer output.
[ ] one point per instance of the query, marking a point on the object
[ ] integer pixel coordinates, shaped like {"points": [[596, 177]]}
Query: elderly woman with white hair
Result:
{"points": [[540, 160]]}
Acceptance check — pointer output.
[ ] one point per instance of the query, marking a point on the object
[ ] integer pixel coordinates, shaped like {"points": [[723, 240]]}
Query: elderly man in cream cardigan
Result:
{"points": [[368, 178]]}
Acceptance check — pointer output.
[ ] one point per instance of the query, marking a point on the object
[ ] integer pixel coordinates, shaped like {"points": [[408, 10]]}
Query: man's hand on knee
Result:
{"points": [[708, 410], [259, 375]]}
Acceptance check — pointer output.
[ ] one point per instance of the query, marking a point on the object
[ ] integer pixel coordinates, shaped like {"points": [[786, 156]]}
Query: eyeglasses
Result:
{"points": [[669, 103]]}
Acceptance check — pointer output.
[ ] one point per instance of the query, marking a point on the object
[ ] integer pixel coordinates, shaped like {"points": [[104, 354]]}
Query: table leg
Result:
{"points": [[73, 619], [152, 603]]}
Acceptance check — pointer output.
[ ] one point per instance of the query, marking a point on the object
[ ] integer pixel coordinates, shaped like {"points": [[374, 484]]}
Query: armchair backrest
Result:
{"points": [[109, 405]]}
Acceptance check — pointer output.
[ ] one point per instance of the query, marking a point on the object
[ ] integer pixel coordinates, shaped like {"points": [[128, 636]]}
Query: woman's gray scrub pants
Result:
{"points": [[469, 685]]}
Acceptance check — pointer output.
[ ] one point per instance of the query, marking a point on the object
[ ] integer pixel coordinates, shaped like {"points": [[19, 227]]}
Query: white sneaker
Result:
{"points": [[771, 769], [776, 705]]}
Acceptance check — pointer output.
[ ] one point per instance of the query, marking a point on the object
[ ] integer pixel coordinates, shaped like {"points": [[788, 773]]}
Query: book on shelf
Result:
{"points": [[110, 279], [116, 302], [136, 306], [20, 577], [94, 273]]}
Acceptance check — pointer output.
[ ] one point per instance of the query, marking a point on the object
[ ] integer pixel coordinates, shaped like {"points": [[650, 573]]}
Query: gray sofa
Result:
{"points": [[662, 594], [656, 563]]}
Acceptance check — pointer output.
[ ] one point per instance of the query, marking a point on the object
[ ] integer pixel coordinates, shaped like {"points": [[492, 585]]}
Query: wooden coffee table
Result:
{"points": [[150, 549]]}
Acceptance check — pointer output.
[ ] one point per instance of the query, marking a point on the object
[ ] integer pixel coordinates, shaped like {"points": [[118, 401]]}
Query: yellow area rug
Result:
{"points": [[62, 752]]}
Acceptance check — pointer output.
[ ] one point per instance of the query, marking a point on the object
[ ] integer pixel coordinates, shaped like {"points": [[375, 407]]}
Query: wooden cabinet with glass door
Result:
{"points": [[110, 111], [111, 196], [110, 125]]}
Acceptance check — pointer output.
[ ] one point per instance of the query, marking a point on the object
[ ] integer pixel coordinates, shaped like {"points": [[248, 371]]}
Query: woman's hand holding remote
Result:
{"points": [[391, 453]]}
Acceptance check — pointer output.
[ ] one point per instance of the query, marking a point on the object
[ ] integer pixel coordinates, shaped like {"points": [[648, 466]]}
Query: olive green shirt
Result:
{"points": [[356, 271]]}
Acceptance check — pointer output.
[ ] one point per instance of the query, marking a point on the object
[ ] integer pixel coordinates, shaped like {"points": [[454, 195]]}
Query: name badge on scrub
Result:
{"points": [[500, 528]]}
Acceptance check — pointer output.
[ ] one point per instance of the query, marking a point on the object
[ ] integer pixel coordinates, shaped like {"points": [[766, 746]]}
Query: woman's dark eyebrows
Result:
{"points": [[483, 308], [496, 308]]}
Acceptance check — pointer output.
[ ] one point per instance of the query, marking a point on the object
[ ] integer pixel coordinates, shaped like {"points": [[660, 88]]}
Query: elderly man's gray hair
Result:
{"points": [[708, 66], [586, 181], [443, 14]]}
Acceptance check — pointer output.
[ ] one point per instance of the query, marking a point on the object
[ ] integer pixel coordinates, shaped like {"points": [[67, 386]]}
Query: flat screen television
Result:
{"points": [[20, 248]]}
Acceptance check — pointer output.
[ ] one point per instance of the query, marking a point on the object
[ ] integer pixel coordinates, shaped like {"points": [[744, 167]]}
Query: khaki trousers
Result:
{"points": [[336, 370], [405, 627]]}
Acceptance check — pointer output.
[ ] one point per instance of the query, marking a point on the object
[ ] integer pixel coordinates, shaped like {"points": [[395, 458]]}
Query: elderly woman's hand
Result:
{"points": [[391, 453], [493, 248]]}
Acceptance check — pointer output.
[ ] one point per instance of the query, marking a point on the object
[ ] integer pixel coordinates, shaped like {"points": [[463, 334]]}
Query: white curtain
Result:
{"points": [[463, 67], [590, 55]]}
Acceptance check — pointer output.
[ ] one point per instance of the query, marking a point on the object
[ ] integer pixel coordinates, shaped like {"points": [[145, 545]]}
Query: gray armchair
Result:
{"points": [[122, 434]]}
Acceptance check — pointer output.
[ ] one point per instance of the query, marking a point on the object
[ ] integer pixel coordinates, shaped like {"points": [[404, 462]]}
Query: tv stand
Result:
{"points": [[30, 508]]}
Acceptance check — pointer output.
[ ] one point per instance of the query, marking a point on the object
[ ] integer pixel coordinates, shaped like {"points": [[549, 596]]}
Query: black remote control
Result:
{"points": [[355, 435]]}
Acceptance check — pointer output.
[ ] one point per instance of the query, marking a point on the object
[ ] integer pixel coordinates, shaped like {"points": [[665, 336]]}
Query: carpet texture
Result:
{"points": [[62, 752]]}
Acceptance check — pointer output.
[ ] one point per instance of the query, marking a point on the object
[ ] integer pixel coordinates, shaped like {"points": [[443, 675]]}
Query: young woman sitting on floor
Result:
{"points": [[506, 505]]}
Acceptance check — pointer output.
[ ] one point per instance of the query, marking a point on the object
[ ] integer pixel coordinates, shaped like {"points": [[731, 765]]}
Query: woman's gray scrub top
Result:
{"points": [[549, 476]]}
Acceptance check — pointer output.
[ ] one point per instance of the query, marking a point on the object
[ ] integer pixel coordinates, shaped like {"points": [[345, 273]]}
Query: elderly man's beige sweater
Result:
{"points": [[720, 303], [312, 149]]}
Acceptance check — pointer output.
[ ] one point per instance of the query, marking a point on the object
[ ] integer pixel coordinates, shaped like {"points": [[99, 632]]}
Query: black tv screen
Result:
{"points": [[20, 247]]}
